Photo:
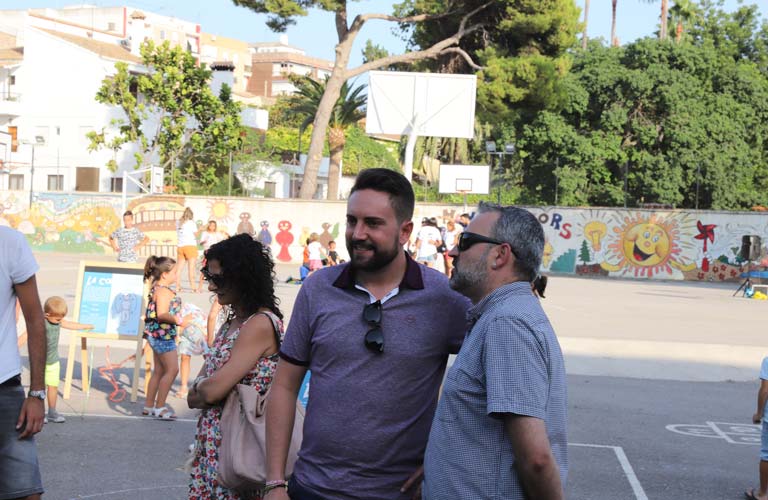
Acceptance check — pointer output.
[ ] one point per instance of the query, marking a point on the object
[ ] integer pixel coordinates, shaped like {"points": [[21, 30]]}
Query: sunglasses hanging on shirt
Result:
{"points": [[374, 338]]}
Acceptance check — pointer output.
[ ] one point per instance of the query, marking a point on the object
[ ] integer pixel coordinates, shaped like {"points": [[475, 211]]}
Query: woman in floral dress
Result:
{"points": [[240, 272]]}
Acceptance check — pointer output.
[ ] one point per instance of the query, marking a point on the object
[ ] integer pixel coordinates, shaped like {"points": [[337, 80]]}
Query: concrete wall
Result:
{"points": [[642, 244]]}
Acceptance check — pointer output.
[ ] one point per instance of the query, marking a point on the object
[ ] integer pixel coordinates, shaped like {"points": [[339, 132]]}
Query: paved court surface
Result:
{"points": [[662, 385]]}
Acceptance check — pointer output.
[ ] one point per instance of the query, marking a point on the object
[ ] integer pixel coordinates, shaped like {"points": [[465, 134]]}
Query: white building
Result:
{"points": [[120, 25], [47, 108]]}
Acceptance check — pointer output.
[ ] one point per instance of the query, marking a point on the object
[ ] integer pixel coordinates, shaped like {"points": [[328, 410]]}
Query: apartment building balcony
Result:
{"points": [[10, 104]]}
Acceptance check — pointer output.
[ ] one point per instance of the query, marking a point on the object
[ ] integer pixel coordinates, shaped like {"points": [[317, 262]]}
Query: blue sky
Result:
{"points": [[317, 35]]}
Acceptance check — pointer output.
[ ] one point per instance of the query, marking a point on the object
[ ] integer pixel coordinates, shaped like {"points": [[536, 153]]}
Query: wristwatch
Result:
{"points": [[37, 394]]}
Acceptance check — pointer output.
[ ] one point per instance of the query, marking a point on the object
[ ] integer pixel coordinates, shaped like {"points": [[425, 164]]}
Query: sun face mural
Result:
{"points": [[646, 245]]}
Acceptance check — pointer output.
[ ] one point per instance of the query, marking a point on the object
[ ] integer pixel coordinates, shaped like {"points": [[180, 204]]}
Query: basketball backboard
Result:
{"points": [[438, 105], [467, 179]]}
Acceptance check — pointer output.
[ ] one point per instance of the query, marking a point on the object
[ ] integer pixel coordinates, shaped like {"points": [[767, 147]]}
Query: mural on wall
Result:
{"points": [[284, 238], [662, 245], [156, 217], [245, 226], [637, 244], [264, 237], [648, 245], [62, 222]]}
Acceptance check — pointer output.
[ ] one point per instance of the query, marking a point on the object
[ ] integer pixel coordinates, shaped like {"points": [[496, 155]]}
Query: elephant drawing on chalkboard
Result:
{"points": [[126, 309]]}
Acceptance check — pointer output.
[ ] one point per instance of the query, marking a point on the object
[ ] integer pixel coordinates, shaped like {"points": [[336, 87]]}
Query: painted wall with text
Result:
{"points": [[631, 243]]}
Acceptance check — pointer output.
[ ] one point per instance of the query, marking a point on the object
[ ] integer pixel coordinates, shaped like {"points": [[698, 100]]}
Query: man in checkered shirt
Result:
{"points": [[500, 427]]}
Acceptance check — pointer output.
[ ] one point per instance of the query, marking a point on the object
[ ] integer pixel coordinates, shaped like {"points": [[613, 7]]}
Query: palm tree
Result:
{"points": [[614, 41], [586, 19], [348, 110], [684, 12], [663, 20]]}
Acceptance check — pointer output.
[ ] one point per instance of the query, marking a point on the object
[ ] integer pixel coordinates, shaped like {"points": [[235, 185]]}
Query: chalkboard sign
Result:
{"points": [[110, 296]]}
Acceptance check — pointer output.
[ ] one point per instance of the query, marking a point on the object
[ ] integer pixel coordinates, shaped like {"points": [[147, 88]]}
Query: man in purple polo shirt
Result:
{"points": [[376, 334]]}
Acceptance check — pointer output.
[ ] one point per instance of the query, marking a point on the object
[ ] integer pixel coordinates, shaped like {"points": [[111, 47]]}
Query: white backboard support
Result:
{"points": [[420, 104], [435, 104], [467, 179]]}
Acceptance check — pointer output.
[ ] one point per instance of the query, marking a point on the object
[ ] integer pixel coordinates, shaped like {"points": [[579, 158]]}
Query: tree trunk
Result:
{"points": [[613, 23], [664, 15], [325, 108], [586, 20], [320, 128], [340, 74], [336, 143]]}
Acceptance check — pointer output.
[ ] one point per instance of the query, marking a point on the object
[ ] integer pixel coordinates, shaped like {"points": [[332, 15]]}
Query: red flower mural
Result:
{"points": [[706, 232]]}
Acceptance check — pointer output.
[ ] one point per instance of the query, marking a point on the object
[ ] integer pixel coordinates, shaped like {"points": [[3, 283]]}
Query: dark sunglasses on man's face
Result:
{"points": [[216, 279], [374, 338], [466, 240]]}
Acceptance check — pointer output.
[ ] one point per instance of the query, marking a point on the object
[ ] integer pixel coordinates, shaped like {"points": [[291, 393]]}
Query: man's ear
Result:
{"points": [[504, 256], [406, 228]]}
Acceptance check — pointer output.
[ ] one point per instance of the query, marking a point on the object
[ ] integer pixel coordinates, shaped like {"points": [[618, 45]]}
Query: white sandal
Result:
{"points": [[148, 411], [164, 413]]}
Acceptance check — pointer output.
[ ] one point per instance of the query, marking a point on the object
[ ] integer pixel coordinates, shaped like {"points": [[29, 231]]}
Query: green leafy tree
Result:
{"points": [[373, 51], [645, 123], [523, 50], [584, 37], [347, 111], [361, 152], [282, 13], [170, 113]]}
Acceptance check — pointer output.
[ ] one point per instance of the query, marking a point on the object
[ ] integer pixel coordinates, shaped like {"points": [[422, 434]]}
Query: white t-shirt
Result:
{"points": [[315, 250], [186, 233], [17, 265], [427, 234], [208, 239]]}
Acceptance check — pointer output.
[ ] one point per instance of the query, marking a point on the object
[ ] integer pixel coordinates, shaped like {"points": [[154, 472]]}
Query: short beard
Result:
{"points": [[379, 260], [468, 277]]}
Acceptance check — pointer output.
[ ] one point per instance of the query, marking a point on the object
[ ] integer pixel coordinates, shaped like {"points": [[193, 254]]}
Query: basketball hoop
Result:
{"points": [[464, 179], [464, 186]]}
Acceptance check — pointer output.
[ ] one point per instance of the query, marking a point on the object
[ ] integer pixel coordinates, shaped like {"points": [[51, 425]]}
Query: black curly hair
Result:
{"points": [[248, 268]]}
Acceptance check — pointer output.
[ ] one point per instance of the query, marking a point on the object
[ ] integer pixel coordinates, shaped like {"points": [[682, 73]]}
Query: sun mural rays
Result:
{"points": [[646, 244]]}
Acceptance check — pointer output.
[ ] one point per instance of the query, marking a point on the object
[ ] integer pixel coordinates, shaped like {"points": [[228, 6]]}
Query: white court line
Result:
{"points": [[127, 417], [625, 465], [720, 433], [128, 491]]}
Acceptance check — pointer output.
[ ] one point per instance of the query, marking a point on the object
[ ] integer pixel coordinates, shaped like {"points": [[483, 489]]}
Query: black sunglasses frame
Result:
{"points": [[467, 240], [217, 279], [374, 338]]}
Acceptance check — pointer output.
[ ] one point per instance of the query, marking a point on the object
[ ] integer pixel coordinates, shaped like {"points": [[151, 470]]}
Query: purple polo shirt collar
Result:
{"points": [[411, 279]]}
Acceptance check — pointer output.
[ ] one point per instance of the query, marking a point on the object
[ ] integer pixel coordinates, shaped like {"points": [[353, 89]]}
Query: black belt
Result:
{"points": [[12, 382]]}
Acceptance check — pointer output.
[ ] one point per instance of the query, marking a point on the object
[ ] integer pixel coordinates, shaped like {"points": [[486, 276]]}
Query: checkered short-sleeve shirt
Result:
{"points": [[510, 363]]}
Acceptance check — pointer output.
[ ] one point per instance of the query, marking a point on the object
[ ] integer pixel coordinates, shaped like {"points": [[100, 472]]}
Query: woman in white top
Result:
{"points": [[187, 248], [209, 237]]}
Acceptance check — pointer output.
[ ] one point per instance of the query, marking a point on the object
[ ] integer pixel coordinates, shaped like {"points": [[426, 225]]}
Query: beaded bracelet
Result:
{"points": [[273, 485]]}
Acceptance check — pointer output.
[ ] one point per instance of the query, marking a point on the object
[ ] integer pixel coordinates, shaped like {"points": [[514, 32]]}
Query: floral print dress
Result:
{"points": [[204, 483]]}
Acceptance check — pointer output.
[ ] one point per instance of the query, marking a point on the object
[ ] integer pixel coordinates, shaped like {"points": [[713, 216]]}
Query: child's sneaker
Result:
{"points": [[55, 417]]}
